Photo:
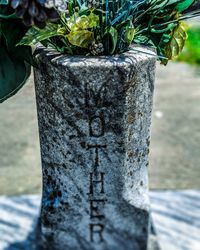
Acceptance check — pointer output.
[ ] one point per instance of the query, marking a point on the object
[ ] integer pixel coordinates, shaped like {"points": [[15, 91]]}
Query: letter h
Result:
{"points": [[94, 182]]}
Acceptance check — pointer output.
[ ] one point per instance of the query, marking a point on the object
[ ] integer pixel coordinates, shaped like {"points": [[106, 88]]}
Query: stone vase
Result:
{"points": [[94, 118]]}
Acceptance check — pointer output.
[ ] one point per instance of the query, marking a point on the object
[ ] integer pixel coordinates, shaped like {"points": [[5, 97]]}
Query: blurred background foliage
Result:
{"points": [[191, 52]]}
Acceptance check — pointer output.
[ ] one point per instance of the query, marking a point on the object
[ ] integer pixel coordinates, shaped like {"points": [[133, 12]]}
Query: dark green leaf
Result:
{"points": [[13, 31], [110, 40], [184, 5], [36, 35], [13, 74]]}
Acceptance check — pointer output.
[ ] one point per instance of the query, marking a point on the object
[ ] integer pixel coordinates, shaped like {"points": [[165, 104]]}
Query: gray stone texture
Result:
{"points": [[94, 119]]}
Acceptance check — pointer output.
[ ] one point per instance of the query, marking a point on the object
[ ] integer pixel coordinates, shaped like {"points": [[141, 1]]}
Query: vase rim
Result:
{"points": [[136, 53]]}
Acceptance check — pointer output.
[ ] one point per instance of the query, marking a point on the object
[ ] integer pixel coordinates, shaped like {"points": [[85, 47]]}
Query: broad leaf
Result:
{"points": [[6, 12], [184, 5], [177, 41], [110, 40], [13, 74], [14, 61], [13, 31], [36, 35], [84, 22], [81, 38]]}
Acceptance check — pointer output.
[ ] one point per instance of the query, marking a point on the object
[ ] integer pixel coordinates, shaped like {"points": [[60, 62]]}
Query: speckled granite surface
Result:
{"points": [[94, 121]]}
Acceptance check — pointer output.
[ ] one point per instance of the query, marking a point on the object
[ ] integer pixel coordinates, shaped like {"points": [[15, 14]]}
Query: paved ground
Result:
{"points": [[176, 216], [19, 144], [175, 147]]}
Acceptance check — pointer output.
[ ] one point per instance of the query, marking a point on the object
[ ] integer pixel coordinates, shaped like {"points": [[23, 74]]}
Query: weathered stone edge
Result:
{"points": [[136, 53]]}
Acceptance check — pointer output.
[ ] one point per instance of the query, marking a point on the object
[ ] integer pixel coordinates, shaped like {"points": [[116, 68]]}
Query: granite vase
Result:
{"points": [[94, 118]]}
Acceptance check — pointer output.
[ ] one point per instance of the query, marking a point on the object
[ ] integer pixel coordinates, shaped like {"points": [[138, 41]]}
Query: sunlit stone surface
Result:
{"points": [[94, 122]]}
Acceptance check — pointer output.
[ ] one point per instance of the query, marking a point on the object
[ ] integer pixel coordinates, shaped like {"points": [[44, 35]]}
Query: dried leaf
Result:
{"points": [[177, 41]]}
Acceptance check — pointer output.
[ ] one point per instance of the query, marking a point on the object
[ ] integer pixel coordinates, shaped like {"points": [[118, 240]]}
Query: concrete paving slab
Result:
{"points": [[175, 139]]}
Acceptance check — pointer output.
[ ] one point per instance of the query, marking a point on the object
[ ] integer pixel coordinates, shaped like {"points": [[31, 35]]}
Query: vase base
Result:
{"points": [[153, 243]]}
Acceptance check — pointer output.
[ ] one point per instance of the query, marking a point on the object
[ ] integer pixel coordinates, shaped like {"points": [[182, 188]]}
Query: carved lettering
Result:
{"points": [[96, 147], [94, 101], [94, 98], [97, 126], [96, 232], [95, 183], [95, 208]]}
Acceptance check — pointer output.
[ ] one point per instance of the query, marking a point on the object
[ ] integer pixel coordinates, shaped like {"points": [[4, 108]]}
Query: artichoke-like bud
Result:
{"points": [[35, 12], [93, 4], [60, 5], [96, 49]]}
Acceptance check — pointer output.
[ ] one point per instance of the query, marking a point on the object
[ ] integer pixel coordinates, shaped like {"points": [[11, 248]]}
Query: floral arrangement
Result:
{"points": [[86, 27]]}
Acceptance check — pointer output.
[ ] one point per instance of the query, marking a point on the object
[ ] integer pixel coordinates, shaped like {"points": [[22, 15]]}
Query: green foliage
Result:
{"points": [[183, 5], [171, 45], [36, 35], [110, 40], [116, 25], [14, 61], [176, 42], [102, 27], [80, 33], [13, 74], [179, 5], [191, 52]]}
